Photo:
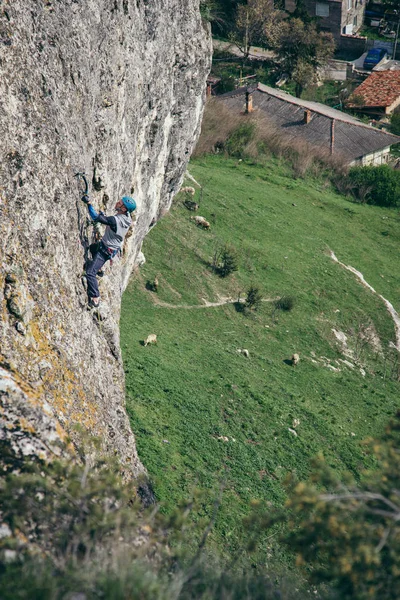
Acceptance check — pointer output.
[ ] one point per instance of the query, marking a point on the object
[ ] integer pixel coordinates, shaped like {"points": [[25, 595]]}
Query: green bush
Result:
{"points": [[284, 303], [253, 298], [376, 185], [227, 83], [239, 138], [225, 260], [395, 124]]}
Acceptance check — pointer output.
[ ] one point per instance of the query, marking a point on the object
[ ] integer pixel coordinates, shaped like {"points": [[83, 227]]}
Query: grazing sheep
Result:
{"points": [[201, 222], [188, 190], [151, 339], [243, 351], [295, 359]]}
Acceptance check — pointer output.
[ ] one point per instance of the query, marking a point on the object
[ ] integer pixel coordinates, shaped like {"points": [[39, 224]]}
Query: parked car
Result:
{"points": [[374, 57]]}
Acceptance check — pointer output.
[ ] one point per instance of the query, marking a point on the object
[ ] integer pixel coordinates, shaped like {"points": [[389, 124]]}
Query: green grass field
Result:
{"points": [[204, 414]]}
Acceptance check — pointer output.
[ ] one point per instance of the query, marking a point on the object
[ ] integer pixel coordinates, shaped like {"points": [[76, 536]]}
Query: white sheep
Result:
{"points": [[151, 339], [201, 222], [188, 190], [295, 359]]}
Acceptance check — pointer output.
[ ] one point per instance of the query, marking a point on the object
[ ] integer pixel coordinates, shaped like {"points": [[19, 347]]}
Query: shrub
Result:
{"points": [[239, 138], [285, 303], [225, 260], [253, 298], [395, 124], [382, 184]]}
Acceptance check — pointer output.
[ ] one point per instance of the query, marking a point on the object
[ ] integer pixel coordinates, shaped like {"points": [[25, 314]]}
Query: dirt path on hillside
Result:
{"points": [[393, 313], [221, 302], [255, 51]]}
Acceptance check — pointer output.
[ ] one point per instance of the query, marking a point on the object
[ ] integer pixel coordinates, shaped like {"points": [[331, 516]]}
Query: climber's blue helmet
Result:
{"points": [[129, 203]]}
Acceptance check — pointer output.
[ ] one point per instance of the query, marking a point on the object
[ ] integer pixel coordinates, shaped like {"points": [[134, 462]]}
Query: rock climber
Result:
{"points": [[111, 242]]}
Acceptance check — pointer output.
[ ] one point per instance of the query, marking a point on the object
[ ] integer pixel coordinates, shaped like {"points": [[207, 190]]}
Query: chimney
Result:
{"points": [[307, 116], [332, 135], [249, 103]]}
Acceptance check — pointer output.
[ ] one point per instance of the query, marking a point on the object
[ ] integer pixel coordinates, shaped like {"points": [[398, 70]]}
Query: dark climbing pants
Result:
{"points": [[91, 272]]}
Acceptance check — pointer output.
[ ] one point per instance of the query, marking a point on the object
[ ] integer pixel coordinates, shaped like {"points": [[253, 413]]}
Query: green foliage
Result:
{"points": [[227, 83], [210, 12], [225, 260], [253, 298], [256, 24], [285, 303], [302, 49], [227, 11], [382, 184], [395, 123], [239, 138], [66, 507]]}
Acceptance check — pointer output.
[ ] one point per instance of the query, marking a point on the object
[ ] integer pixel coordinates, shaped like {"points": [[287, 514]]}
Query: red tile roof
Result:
{"points": [[381, 88]]}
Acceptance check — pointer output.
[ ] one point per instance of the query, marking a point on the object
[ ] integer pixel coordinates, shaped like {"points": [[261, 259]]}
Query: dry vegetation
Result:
{"points": [[219, 123]]}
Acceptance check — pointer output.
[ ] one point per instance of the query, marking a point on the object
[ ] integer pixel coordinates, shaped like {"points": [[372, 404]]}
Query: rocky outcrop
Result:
{"points": [[114, 88]]}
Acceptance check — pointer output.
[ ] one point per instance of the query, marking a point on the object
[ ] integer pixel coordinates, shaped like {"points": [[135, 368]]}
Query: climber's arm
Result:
{"points": [[100, 217]]}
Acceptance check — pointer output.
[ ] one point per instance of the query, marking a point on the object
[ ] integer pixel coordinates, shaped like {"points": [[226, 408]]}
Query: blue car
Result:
{"points": [[373, 57]]}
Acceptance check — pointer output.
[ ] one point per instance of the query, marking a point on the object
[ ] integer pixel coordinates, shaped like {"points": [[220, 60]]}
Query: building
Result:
{"points": [[379, 94], [318, 126], [339, 17]]}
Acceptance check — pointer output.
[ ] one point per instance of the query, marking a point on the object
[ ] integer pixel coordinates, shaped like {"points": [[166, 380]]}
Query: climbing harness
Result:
{"points": [[110, 252]]}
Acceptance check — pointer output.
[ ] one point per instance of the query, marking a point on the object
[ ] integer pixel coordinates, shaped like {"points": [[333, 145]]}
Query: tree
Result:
{"points": [[395, 123], [256, 24], [302, 49], [253, 298], [211, 12], [304, 74], [383, 183]]}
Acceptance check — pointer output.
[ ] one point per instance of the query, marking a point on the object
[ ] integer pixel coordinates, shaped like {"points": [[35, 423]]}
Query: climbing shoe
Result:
{"points": [[100, 273], [94, 302]]}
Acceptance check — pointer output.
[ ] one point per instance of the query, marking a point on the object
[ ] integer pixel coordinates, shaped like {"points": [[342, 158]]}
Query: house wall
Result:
{"points": [[331, 23], [354, 15], [374, 159], [340, 15], [391, 109]]}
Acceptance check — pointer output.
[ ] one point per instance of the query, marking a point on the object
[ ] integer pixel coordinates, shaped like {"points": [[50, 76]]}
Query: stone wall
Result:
{"points": [[353, 43], [115, 88]]}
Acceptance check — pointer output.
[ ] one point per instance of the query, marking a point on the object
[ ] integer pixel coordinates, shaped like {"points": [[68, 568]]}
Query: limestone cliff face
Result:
{"points": [[114, 88]]}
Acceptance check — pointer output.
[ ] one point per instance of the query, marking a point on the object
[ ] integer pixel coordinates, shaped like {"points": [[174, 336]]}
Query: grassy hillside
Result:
{"points": [[203, 413]]}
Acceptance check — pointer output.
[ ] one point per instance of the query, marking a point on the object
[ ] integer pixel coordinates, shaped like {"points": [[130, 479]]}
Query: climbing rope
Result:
{"points": [[83, 221]]}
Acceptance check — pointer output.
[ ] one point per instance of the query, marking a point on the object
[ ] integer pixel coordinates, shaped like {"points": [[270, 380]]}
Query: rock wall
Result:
{"points": [[114, 88]]}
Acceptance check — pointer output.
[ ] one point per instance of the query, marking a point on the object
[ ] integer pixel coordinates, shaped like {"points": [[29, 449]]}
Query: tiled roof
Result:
{"points": [[352, 139], [381, 88]]}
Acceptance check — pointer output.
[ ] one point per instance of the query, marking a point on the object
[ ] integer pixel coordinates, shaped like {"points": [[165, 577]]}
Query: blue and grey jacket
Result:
{"points": [[116, 230]]}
